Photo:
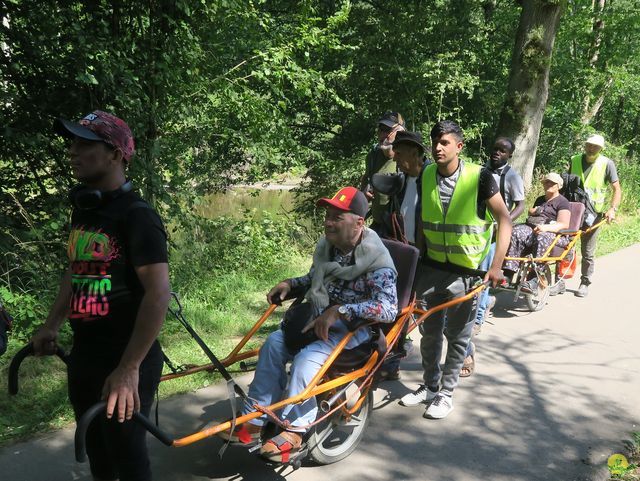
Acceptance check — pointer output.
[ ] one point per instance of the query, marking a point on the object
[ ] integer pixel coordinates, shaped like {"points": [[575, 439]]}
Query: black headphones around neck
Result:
{"points": [[87, 198]]}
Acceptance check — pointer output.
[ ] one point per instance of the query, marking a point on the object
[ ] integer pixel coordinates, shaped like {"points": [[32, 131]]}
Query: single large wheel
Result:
{"points": [[538, 299], [337, 437]]}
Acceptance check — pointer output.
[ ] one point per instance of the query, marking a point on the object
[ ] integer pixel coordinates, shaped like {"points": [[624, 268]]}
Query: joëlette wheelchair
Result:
{"points": [[343, 386], [539, 268]]}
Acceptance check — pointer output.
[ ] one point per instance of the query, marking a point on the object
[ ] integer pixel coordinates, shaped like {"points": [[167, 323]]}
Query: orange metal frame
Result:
{"points": [[316, 386], [545, 257]]}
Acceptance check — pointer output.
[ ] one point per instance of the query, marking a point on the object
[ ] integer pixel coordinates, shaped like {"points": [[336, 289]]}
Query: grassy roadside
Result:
{"points": [[619, 234], [626, 468]]}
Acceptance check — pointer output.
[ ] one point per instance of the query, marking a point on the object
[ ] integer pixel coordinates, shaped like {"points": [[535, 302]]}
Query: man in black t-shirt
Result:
{"points": [[5, 326], [115, 294]]}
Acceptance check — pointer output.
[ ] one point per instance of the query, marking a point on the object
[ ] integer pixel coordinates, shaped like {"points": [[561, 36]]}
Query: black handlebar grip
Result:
{"points": [[81, 429], [14, 367], [99, 408], [152, 428]]}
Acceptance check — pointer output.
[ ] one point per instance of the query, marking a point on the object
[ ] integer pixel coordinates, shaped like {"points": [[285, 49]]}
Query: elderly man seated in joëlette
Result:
{"points": [[352, 278]]}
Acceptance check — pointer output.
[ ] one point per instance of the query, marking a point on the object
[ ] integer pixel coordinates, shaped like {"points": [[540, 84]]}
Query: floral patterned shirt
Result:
{"points": [[371, 296]]}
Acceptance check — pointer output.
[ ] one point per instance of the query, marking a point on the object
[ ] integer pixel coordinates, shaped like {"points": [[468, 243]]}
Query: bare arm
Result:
{"points": [[517, 210], [615, 201], [121, 387], [501, 215], [44, 340], [278, 292]]}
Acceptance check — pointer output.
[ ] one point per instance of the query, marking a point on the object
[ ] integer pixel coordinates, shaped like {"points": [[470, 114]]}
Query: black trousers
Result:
{"points": [[116, 450]]}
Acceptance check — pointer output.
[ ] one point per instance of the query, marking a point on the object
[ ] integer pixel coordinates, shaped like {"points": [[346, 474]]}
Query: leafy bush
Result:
{"points": [[32, 261], [629, 173]]}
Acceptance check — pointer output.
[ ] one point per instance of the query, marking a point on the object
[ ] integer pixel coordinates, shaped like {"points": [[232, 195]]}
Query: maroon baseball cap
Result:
{"points": [[348, 199], [100, 126]]}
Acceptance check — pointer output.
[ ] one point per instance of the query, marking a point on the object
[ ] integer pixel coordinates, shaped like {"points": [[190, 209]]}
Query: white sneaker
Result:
{"points": [[421, 395], [440, 407]]}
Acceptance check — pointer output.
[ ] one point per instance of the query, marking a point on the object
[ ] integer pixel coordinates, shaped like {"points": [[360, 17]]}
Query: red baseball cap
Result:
{"points": [[348, 199], [100, 126]]}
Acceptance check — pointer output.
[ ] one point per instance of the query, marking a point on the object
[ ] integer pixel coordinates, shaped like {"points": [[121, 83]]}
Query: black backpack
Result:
{"points": [[574, 192]]}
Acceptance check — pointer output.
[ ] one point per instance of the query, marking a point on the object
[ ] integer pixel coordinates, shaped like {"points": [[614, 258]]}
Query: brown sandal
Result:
{"points": [[280, 448], [469, 364]]}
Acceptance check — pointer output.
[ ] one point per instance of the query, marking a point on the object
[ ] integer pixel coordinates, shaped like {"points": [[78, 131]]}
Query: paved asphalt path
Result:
{"points": [[554, 394]]}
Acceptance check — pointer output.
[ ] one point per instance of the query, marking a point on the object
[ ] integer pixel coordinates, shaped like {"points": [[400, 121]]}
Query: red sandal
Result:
{"points": [[244, 434]]}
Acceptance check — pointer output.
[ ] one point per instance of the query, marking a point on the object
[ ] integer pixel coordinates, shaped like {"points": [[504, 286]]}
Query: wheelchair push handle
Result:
{"points": [[295, 293], [99, 409], [176, 298], [14, 367]]}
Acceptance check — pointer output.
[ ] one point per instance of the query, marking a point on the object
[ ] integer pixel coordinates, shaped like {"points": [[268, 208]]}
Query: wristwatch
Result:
{"points": [[343, 311]]}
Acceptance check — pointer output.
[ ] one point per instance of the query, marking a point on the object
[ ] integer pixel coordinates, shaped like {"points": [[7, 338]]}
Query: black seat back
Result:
{"points": [[405, 258], [577, 210]]}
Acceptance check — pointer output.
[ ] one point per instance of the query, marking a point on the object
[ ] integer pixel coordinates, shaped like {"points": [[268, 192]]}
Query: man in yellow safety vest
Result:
{"points": [[597, 174], [459, 201]]}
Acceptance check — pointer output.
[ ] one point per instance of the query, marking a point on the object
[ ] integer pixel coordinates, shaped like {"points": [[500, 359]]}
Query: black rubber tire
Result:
{"points": [[537, 301], [322, 452]]}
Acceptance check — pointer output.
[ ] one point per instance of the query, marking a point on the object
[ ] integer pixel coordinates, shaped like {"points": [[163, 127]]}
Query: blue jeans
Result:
{"points": [[483, 299], [270, 380]]}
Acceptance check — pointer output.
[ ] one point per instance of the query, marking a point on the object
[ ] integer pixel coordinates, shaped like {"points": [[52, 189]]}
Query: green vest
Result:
{"points": [[459, 237], [595, 184]]}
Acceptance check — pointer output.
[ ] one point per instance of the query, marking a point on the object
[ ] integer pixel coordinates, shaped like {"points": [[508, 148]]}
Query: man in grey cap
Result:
{"points": [[380, 160], [597, 174]]}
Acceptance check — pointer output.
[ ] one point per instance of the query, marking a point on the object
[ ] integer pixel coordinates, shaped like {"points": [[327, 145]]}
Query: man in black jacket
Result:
{"points": [[409, 155]]}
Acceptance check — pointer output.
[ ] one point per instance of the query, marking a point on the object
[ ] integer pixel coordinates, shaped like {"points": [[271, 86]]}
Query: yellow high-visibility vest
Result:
{"points": [[595, 185], [459, 237]]}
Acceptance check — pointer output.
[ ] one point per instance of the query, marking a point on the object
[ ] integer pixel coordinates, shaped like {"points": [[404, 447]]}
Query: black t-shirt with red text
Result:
{"points": [[105, 245]]}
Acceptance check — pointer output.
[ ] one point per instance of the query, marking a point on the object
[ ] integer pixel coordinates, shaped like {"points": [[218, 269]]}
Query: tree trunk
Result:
{"points": [[598, 27], [635, 131], [615, 137], [523, 109], [489, 7], [590, 109]]}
